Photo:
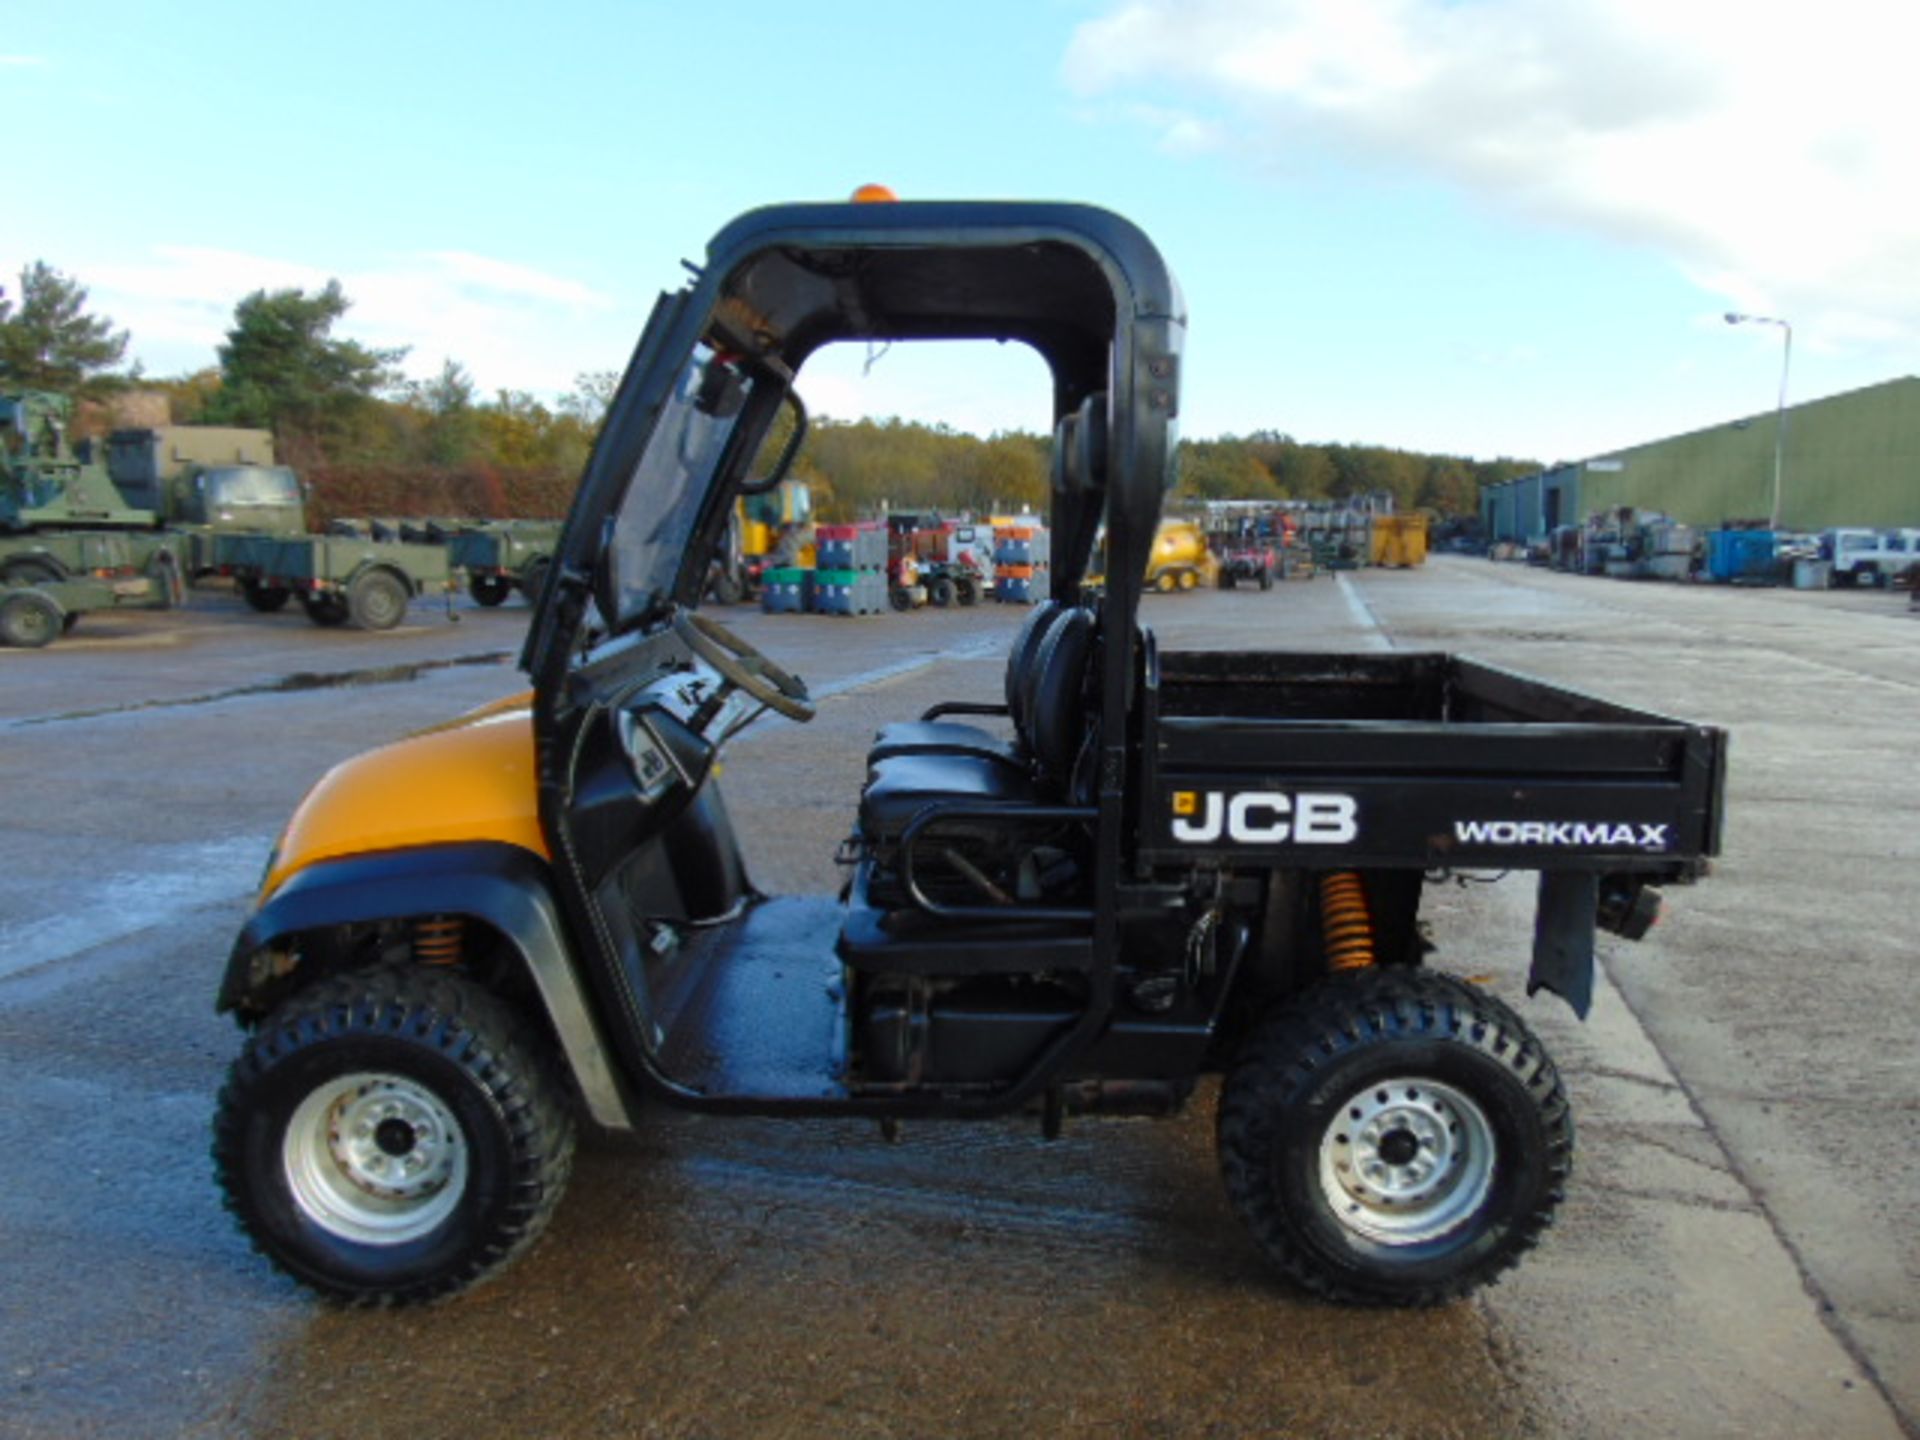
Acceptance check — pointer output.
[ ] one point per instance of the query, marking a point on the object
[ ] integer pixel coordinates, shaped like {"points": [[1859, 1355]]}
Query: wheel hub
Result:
{"points": [[1406, 1160], [375, 1158]]}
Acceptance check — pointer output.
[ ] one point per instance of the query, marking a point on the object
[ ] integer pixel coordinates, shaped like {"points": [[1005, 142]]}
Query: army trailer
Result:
{"points": [[499, 557]]}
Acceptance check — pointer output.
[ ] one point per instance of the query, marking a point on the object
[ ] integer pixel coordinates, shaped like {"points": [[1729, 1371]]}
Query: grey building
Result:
{"points": [[1850, 459]]}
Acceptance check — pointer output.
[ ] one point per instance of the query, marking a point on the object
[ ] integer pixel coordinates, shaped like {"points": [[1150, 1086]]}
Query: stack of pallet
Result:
{"points": [[786, 590], [1022, 556], [852, 574]]}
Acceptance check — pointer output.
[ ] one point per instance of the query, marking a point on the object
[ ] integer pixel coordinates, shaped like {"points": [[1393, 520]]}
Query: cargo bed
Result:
{"points": [[1427, 761]]}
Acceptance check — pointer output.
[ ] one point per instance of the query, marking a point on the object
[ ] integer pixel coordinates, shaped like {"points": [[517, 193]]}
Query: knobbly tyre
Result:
{"points": [[1141, 869]]}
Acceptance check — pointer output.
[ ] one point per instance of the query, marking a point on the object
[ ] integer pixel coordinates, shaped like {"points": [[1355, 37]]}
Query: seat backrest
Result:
{"points": [[1080, 448], [1021, 657], [1057, 698]]}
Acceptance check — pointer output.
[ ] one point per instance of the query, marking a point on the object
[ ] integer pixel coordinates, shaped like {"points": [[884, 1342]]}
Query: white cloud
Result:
{"points": [[511, 326], [1765, 149]]}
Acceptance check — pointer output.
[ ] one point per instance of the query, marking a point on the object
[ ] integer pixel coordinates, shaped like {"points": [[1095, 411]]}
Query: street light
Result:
{"points": [[1780, 415]]}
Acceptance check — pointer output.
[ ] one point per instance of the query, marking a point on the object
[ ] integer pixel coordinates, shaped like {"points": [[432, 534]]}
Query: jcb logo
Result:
{"points": [[1265, 817]]}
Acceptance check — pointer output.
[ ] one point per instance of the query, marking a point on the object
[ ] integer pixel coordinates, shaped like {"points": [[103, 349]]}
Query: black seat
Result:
{"points": [[1079, 465], [956, 737], [1056, 723]]}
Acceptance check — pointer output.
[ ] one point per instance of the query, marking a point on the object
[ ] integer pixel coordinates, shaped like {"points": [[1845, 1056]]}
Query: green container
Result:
{"points": [[787, 575], [835, 577]]}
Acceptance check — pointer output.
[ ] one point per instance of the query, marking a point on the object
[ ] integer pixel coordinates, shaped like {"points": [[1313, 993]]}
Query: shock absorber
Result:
{"points": [[1345, 922], [439, 939]]}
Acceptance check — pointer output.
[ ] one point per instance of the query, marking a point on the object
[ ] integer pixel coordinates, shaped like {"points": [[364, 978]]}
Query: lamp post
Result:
{"points": [[1780, 413]]}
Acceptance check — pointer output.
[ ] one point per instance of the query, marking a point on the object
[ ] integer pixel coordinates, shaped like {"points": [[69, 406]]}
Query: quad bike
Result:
{"points": [[1138, 870]]}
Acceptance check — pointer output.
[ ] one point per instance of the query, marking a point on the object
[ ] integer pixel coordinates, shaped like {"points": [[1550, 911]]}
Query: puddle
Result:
{"points": [[298, 682]]}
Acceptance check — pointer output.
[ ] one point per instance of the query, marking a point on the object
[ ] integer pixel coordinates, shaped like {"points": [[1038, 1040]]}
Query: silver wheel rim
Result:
{"points": [[1406, 1160], [375, 1158]]}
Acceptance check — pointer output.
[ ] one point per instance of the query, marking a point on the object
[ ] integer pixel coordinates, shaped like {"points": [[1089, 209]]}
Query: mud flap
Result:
{"points": [[1563, 934]]}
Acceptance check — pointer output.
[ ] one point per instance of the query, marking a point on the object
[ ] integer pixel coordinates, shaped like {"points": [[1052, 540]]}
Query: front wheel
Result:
{"points": [[393, 1136], [1394, 1137], [489, 590], [940, 592], [533, 580]]}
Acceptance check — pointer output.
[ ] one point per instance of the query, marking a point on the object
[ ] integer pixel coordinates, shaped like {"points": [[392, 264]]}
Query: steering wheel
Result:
{"points": [[743, 666]]}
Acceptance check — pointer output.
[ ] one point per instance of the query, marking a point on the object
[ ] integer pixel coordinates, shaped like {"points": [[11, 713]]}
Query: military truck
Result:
{"points": [[69, 541], [186, 502], [1145, 868], [58, 502]]}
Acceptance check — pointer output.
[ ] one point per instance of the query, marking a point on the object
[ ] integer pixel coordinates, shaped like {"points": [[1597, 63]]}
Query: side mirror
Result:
{"points": [[722, 392], [788, 452]]}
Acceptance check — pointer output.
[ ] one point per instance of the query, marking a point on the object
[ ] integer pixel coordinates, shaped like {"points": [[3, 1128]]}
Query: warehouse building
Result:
{"points": [[1851, 459]]}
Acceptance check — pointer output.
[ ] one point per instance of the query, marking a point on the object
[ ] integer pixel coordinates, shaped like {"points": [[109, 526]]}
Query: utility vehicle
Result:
{"points": [[1151, 868]]}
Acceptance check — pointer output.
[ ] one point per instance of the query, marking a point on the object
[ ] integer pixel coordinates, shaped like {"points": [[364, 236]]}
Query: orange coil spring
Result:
{"points": [[438, 939], [1345, 921]]}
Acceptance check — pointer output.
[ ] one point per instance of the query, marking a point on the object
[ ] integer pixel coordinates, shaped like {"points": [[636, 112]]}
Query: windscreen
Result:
{"points": [[252, 485], [662, 502]]}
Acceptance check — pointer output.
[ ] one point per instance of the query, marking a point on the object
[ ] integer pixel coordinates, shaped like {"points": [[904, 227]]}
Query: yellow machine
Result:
{"points": [[1181, 559], [768, 531], [1400, 541]]}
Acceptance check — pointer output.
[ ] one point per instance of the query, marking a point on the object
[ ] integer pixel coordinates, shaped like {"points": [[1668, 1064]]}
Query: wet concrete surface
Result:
{"points": [[1727, 1263]]}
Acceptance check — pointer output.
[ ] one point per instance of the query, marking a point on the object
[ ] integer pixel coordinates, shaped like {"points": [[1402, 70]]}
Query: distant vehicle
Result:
{"points": [[1869, 557], [1180, 559]]}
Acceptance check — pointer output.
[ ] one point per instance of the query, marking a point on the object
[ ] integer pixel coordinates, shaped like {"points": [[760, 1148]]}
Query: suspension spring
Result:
{"points": [[439, 939], [1346, 922]]}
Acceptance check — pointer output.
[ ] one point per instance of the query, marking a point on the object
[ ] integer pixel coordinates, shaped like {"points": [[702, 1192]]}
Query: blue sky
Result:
{"points": [[1481, 226]]}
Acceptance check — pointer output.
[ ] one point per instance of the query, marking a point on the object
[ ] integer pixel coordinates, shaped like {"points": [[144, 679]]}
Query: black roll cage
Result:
{"points": [[1083, 287]]}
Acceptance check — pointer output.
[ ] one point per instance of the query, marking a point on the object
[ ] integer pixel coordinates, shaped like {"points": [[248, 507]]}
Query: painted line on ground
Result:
{"points": [[1372, 633]]}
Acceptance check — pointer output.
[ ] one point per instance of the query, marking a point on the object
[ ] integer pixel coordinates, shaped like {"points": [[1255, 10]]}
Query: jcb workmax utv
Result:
{"points": [[1142, 869]]}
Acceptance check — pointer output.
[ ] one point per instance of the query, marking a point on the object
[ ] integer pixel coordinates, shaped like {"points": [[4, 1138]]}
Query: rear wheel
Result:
{"points": [[377, 600], [940, 592], [1394, 1137], [899, 599], [30, 620], [393, 1136], [324, 609], [967, 592], [1164, 582], [265, 598], [489, 590], [1188, 579], [1266, 577]]}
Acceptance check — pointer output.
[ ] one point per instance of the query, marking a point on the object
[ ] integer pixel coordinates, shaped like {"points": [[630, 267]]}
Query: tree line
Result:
{"points": [[371, 441]]}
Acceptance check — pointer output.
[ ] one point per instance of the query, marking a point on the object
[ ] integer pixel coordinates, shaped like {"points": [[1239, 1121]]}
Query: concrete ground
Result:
{"points": [[1737, 1255]]}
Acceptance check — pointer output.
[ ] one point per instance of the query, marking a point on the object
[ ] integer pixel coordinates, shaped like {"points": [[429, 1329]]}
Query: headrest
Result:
{"points": [[1080, 447], [1065, 435], [1090, 440]]}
